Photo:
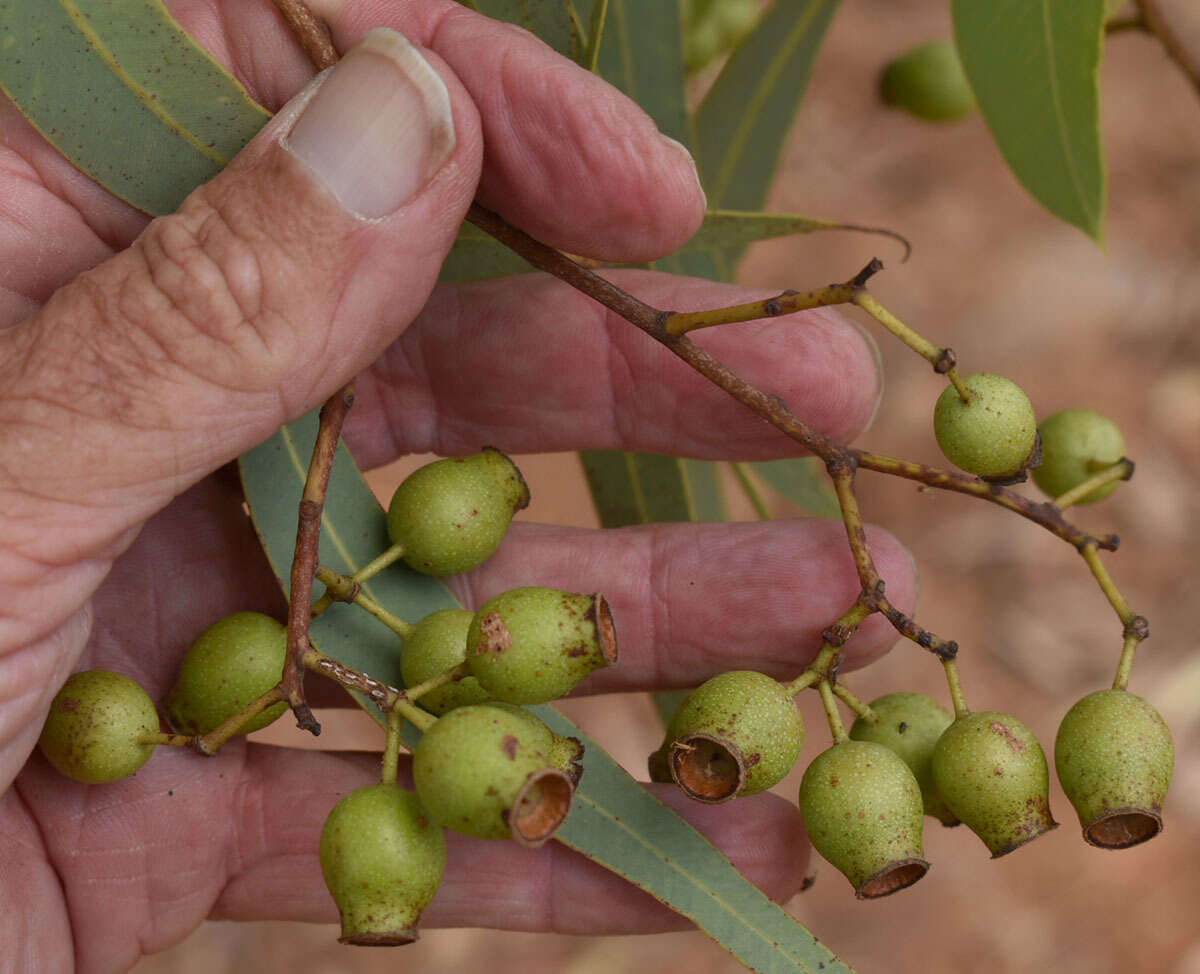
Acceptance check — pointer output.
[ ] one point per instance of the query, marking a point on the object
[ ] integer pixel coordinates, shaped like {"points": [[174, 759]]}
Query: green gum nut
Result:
{"points": [[564, 753], [483, 771], [1114, 757], [91, 733], [232, 664], [1077, 444], [383, 860], [993, 435], [438, 643], [929, 82], [533, 645], [910, 724], [451, 515], [737, 734], [862, 811], [991, 772]]}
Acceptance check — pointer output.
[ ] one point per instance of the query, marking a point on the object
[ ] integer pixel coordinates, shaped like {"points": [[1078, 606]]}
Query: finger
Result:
{"points": [[693, 600], [273, 285], [252, 819], [529, 365], [569, 158]]}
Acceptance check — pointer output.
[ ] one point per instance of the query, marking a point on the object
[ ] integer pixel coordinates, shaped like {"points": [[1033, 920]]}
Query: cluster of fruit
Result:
{"points": [[863, 799], [489, 768], [993, 433], [485, 766]]}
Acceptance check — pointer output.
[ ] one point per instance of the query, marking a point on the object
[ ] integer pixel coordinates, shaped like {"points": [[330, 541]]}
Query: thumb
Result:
{"points": [[270, 288]]}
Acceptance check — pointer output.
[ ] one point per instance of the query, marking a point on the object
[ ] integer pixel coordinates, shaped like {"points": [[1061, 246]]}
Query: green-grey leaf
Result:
{"points": [[642, 488], [613, 820], [560, 23], [641, 53], [740, 127], [476, 255], [802, 481], [1034, 66], [120, 90]]}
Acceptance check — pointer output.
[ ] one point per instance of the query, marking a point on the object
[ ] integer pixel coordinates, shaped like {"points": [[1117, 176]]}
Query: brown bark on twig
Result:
{"points": [[313, 36], [311, 32]]}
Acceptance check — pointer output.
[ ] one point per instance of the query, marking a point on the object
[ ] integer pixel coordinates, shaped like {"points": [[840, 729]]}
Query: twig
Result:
{"points": [[314, 37], [312, 33], [305, 559], [346, 588]]}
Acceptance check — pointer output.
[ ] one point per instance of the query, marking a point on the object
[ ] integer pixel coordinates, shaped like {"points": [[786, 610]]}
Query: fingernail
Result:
{"points": [[378, 127], [683, 151]]}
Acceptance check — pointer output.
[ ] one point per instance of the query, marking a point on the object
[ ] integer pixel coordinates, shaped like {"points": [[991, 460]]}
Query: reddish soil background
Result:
{"points": [[1013, 291]]}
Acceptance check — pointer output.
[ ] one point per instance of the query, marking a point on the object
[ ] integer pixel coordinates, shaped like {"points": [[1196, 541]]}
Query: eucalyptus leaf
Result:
{"points": [[562, 24], [123, 93], [801, 480], [740, 126], [641, 53], [710, 252], [1034, 66], [613, 820], [641, 488]]}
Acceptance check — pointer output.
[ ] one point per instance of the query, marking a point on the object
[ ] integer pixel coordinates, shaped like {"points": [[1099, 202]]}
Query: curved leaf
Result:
{"points": [[740, 127], [1034, 66], [476, 255], [613, 820], [120, 90]]}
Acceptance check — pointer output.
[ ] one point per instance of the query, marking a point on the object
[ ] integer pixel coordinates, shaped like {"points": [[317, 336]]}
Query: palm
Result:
{"points": [[103, 874]]}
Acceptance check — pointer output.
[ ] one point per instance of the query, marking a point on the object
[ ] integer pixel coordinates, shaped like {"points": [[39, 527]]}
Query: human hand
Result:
{"points": [[139, 359]]}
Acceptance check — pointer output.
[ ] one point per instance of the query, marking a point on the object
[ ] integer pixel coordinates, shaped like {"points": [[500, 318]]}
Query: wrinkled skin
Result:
{"points": [[125, 393]]}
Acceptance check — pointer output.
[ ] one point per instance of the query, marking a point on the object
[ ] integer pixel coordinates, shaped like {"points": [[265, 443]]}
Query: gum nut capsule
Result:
{"points": [[533, 645], [480, 770], [991, 772], [91, 733], [437, 643], [910, 724], [451, 515], [1114, 759], [991, 436], [232, 663], [564, 753], [383, 859], [862, 811], [737, 734], [1077, 444], [929, 82]]}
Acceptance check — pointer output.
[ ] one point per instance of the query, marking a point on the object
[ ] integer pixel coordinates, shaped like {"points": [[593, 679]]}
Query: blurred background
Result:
{"points": [[1014, 291]]}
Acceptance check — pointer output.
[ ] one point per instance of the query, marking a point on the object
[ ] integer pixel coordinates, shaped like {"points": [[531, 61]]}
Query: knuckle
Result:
{"points": [[196, 287]]}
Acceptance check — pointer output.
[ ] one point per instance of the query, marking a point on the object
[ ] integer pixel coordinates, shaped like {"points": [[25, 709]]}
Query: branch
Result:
{"points": [[313, 36], [306, 557], [312, 33]]}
